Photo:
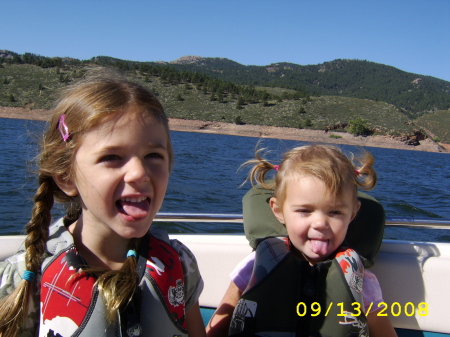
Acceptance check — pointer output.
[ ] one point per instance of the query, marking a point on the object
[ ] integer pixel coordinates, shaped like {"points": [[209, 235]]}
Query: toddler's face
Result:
{"points": [[315, 221]]}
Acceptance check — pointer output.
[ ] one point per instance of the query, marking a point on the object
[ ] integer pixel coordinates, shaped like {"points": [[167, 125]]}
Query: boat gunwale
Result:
{"points": [[437, 223]]}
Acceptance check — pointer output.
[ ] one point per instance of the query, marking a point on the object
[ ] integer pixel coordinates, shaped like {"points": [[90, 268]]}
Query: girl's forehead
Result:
{"points": [[122, 118], [119, 123], [299, 180], [125, 133], [305, 182]]}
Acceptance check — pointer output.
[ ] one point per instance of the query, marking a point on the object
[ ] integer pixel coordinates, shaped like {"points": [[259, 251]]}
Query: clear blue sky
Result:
{"points": [[412, 35]]}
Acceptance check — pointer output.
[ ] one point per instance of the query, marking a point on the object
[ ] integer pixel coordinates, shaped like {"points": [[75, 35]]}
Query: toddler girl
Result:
{"points": [[279, 289]]}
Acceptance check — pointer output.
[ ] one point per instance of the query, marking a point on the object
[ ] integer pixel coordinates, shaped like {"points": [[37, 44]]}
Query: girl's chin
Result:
{"points": [[134, 230], [129, 235]]}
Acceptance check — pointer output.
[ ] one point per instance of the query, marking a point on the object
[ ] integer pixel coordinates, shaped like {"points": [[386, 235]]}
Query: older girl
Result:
{"points": [[101, 270]]}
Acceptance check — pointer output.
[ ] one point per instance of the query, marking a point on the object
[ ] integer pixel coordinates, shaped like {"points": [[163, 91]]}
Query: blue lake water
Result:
{"points": [[206, 179]]}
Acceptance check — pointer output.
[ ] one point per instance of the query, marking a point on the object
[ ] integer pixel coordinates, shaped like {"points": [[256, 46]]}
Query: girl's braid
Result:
{"points": [[14, 307]]}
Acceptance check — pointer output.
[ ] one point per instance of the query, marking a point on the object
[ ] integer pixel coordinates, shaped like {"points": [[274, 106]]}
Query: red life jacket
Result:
{"points": [[71, 305]]}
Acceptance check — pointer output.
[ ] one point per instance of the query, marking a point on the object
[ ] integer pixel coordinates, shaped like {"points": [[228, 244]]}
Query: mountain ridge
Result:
{"points": [[324, 96], [412, 93]]}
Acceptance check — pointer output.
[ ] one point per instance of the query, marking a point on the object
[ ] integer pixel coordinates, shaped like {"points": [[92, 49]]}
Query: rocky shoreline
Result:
{"points": [[260, 131]]}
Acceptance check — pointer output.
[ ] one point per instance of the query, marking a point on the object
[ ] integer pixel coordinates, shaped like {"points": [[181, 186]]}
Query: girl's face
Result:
{"points": [[315, 221], [121, 175]]}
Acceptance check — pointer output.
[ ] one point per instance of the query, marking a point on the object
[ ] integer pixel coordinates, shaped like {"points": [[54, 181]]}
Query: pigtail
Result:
{"points": [[117, 287], [13, 310], [259, 170], [366, 177], [14, 307], [37, 228]]}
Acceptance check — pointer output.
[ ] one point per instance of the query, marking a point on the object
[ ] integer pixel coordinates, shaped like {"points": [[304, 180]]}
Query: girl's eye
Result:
{"points": [[109, 158], [335, 212], [155, 155]]}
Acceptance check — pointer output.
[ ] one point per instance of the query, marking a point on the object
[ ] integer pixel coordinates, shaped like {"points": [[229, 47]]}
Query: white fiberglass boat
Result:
{"points": [[414, 276]]}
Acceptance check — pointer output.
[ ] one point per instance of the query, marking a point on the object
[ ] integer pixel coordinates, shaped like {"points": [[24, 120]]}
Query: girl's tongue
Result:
{"points": [[135, 209], [319, 247]]}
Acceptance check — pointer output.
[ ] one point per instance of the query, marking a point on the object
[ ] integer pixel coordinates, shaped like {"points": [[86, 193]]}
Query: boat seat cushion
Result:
{"points": [[364, 234]]}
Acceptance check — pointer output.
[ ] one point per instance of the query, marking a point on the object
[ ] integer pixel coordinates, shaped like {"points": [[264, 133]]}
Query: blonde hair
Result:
{"points": [[325, 162], [94, 100]]}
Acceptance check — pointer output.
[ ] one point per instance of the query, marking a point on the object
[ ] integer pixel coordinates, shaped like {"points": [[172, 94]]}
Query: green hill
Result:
{"points": [[32, 81], [437, 124], [411, 93]]}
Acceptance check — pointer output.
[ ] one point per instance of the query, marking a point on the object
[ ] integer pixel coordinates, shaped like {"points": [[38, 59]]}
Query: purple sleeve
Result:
{"points": [[243, 271], [371, 291]]}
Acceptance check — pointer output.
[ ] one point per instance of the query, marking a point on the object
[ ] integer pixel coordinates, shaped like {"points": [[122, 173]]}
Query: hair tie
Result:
{"points": [[63, 129], [357, 172], [276, 167], [131, 252], [28, 275]]}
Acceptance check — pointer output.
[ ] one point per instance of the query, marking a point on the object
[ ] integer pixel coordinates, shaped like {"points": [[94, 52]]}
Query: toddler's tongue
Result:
{"points": [[319, 246], [138, 209]]}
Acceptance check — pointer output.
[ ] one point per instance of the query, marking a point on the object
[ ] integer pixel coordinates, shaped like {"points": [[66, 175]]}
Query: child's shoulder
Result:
{"points": [[192, 278], [59, 237], [11, 271], [186, 256]]}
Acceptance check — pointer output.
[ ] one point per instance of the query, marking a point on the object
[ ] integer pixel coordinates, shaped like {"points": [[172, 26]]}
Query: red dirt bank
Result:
{"points": [[260, 131]]}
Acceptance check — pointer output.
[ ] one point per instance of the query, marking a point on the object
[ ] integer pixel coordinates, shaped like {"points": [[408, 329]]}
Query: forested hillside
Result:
{"points": [[356, 96], [411, 93]]}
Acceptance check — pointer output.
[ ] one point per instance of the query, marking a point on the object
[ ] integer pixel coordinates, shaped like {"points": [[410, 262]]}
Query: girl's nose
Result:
{"points": [[136, 172], [320, 221]]}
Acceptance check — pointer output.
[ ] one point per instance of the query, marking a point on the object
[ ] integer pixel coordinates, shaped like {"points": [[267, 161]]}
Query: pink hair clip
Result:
{"points": [[63, 129], [276, 167], [357, 172]]}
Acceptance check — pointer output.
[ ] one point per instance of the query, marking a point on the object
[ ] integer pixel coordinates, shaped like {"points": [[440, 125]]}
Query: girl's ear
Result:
{"points": [[276, 209], [355, 211], [66, 185]]}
